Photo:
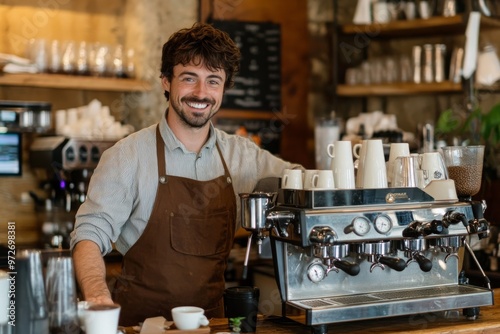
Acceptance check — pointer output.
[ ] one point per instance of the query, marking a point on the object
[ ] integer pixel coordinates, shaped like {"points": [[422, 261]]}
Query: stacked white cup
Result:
{"points": [[342, 164]]}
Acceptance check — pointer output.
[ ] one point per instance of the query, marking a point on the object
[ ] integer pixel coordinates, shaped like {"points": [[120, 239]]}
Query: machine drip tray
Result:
{"points": [[388, 303]]}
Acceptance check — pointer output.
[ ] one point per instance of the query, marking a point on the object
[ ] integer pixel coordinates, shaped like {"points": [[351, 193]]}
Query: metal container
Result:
{"points": [[254, 208]]}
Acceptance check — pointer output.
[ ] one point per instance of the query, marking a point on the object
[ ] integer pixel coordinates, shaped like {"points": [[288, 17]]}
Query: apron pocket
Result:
{"points": [[200, 235]]}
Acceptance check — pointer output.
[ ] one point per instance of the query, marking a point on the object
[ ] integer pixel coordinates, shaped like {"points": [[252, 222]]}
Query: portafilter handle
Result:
{"points": [[424, 263], [393, 262], [350, 268]]}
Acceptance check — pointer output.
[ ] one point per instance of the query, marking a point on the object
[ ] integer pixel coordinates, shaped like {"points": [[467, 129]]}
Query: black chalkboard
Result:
{"points": [[258, 84]]}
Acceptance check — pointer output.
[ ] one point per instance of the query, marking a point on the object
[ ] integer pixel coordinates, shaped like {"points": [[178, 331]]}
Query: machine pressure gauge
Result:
{"points": [[383, 224], [316, 272], [360, 225]]}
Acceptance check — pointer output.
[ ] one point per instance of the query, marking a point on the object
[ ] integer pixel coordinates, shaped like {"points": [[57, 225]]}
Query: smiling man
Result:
{"points": [[166, 196]]}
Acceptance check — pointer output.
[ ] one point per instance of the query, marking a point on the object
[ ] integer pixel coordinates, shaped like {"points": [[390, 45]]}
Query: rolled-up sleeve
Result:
{"points": [[110, 199]]}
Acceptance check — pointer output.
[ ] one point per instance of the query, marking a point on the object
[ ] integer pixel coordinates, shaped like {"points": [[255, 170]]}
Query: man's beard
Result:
{"points": [[196, 121]]}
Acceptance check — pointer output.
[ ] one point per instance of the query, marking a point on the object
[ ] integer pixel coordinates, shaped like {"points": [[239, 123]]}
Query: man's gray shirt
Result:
{"points": [[123, 187]]}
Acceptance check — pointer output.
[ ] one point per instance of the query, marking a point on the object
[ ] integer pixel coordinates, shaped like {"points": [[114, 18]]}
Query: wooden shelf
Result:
{"points": [[418, 27], [495, 88], [398, 89], [60, 81]]}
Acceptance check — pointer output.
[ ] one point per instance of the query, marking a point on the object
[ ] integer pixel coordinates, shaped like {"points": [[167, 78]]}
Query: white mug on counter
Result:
{"points": [[189, 317], [101, 319], [342, 164], [292, 179]]}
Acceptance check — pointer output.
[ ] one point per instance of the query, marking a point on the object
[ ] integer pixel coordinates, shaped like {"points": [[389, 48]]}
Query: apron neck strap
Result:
{"points": [[160, 154]]}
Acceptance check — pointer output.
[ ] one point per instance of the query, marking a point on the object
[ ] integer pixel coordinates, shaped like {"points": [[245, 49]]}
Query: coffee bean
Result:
{"points": [[467, 178]]}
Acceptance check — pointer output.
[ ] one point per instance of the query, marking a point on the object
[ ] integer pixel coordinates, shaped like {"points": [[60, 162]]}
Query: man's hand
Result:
{"points": [[90, 272], [102, 300]]}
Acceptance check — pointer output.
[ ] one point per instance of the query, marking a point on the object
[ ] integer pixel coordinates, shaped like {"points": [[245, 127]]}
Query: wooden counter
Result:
{"points": [[487, 323]]}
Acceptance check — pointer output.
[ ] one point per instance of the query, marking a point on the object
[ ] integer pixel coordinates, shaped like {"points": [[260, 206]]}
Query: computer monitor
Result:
{"points": [[10, 154]]}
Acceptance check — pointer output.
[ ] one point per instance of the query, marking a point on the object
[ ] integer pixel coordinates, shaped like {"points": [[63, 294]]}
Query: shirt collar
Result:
{"points": [[172, 142]]}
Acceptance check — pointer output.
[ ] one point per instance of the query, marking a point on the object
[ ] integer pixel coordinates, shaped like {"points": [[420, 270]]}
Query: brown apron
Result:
{"points": [[180, 258]]}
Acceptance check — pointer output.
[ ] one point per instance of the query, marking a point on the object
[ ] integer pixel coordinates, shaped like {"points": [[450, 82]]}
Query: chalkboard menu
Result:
{"points": [[258, 84]]}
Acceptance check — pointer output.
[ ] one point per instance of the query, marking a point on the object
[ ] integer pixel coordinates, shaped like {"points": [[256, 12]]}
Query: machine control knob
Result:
{"points": [[83, 154], [481, 227], [70, 154], [323, 235], [95, 154], [413, 230], [418, 229], [453, 217], [433, 227]]}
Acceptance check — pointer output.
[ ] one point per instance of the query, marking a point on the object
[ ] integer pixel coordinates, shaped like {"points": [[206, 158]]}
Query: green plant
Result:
{"points": [[490, 125], [474, 128], [236, 324]]}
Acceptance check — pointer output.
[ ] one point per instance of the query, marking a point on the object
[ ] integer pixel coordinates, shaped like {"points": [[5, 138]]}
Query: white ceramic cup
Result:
{"points": [[189, 317], [101, 319], [359, 152], [396, 150], [433, 167], [342, 164], [323, 179], [308, 178], [292, 179], [372, 170], [83, 306]]}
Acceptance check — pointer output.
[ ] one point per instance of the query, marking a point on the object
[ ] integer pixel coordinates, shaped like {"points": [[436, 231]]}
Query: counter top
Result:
{"points": [[488, 322]]}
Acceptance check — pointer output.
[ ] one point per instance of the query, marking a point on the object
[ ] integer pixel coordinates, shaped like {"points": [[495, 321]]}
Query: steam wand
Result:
{"points": [[260, 236], [247, 255]]}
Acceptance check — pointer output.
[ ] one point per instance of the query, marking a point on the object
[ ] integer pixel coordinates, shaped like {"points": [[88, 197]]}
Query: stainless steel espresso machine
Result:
{"points": [[348, 255]]}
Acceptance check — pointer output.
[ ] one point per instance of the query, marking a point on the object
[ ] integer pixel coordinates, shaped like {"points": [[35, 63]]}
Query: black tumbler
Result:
{"points": [[241, 306]]}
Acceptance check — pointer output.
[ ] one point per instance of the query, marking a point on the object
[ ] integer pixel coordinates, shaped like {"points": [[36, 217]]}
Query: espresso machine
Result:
{"points": [[64, 167], [356, 254]]}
